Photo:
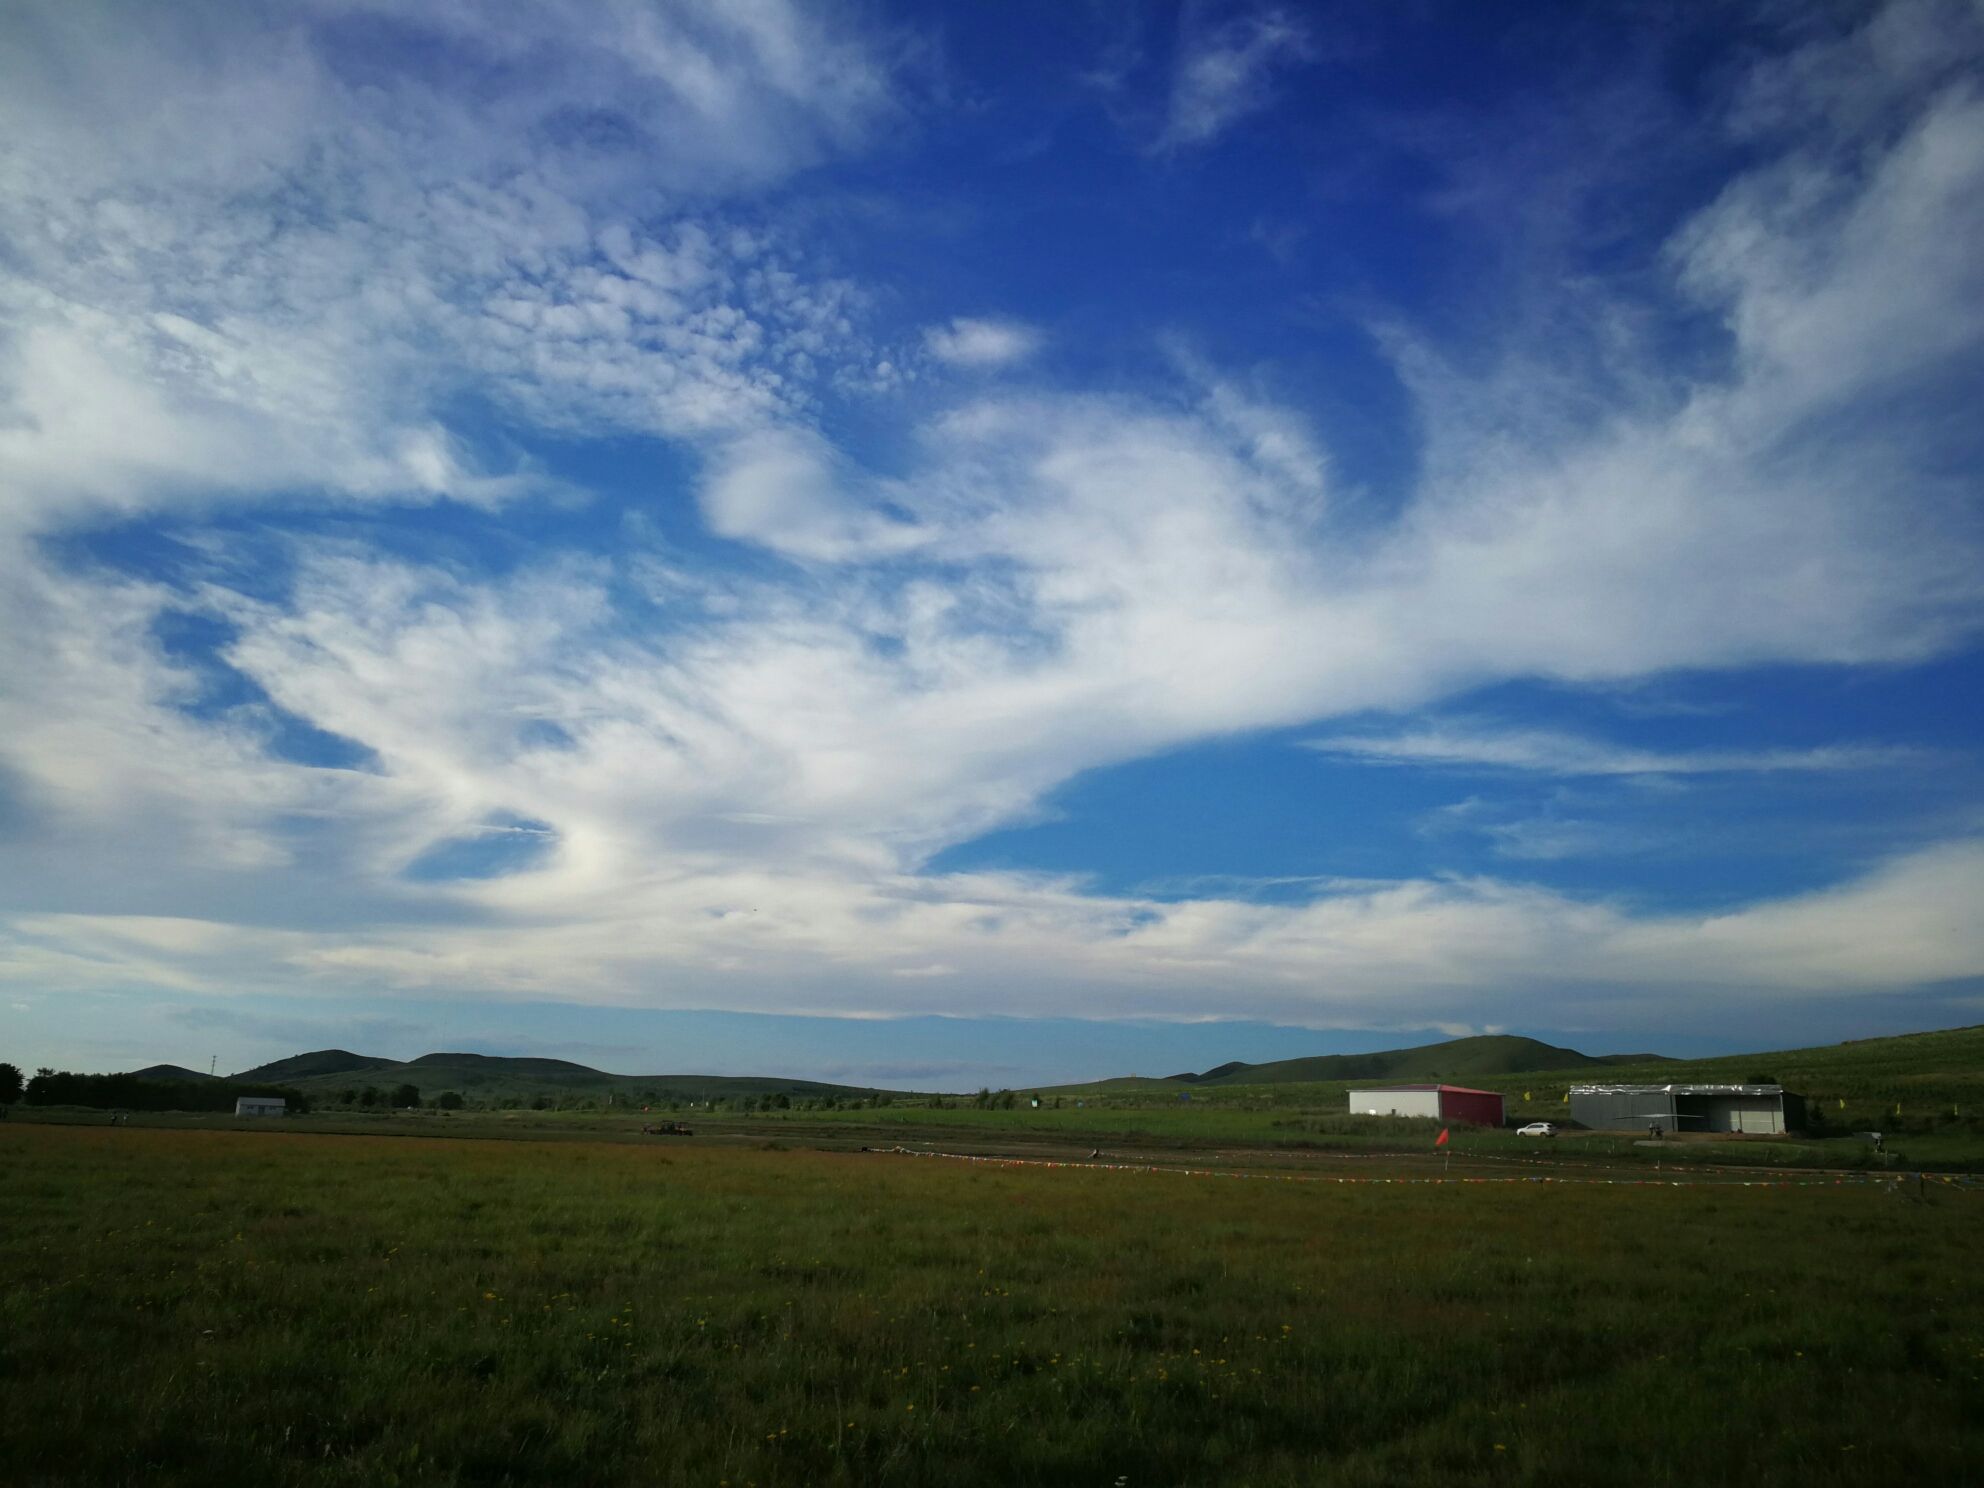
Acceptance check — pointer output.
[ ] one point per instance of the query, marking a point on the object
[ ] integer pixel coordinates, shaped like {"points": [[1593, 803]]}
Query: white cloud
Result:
{"points": [[784, 489], [1224, 71], [976, 343], [1370, 955], [744, 791], [251, 255], [1567, 754]]}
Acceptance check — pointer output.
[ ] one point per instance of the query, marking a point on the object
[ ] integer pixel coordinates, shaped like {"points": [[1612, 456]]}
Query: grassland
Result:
{"points": [[1929, 1084], [211, 1307]]}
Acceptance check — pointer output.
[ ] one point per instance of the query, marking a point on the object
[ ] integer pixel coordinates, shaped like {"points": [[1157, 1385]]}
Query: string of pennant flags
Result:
{"points": [[1566, 1098], [1669, 1179]]}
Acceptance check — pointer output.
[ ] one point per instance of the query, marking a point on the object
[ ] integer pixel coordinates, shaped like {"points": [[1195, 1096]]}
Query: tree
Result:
{"points": [[405, 1095], [11, 1084], [449, 1100]]}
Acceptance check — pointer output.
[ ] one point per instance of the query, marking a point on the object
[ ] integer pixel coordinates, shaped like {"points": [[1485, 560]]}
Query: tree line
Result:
{"points": [[134, 1093]]}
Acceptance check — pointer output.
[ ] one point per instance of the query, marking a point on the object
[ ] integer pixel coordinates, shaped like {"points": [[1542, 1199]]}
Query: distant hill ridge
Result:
{"points": [[318, 1062], [506, 1064], [1941, 1069], [488, 1075], [1464, 1058], [170, 1072], [1484, 1054]]}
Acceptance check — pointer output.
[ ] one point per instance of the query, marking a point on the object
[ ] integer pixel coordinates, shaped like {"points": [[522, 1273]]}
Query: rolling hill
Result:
{"points": [[1926, 1072], [321, 1062], [171, 1073], [1454, 1059], [483, 1077]]}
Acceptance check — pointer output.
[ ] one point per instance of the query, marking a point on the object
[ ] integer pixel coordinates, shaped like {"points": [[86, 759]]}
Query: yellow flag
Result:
{"points": [[1525, 1095], [1842, 1104]]}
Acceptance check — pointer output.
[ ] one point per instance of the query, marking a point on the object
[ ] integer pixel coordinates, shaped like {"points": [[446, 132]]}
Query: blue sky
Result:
{"points": [[987, 544]]}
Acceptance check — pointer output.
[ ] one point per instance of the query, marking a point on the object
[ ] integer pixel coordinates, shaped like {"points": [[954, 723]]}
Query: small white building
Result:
{"points": [[260, 1105]]}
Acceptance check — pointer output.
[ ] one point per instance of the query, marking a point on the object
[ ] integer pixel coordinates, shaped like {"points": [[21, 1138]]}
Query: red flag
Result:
{"points": [[1441, 1139]]}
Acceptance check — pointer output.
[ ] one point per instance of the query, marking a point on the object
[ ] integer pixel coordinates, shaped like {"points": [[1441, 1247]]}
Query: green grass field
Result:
{"points": [[220, 1307], [1318, 1123]]}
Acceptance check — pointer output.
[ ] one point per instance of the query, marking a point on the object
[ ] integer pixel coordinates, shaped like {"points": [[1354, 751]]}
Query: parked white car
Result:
{"points": [[1537, 1129]]}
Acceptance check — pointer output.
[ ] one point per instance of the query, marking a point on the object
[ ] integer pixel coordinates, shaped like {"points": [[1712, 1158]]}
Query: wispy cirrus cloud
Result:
{"points": [[1555, 753], [1224, 70]]}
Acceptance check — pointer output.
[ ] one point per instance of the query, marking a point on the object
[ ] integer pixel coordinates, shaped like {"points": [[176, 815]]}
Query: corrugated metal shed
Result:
{"points": [[1753, 1109]]}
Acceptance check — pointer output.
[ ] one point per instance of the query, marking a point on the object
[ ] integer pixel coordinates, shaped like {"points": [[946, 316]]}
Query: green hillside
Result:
{"points": [[1464, 1058], [498, 1064], [318, 1062], [175, 1074], [490, 1078]]}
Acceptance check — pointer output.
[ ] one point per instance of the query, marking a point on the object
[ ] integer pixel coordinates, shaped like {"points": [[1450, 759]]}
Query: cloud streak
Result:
{"points": [[1224, 71], [1555, 753], [1354, 956]]}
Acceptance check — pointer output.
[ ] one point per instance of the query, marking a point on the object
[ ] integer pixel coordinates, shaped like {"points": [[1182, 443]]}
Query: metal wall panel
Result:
{"points": [[1477, 1107], [1756, 1114], [1623, 1110], [1395, 1103]]}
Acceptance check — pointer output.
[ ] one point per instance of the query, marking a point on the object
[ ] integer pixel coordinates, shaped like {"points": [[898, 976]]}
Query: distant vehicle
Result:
{"points": [[1537, 1129]]}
